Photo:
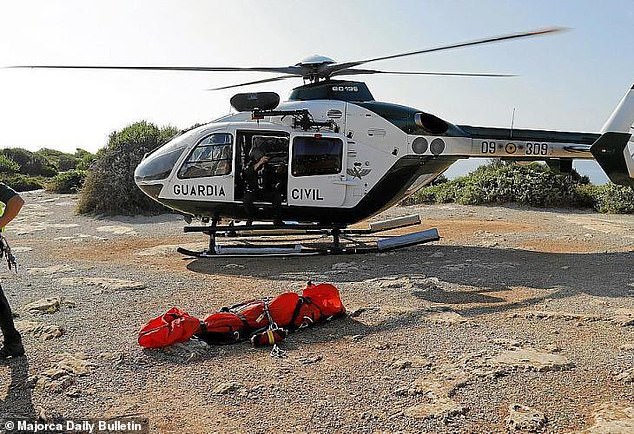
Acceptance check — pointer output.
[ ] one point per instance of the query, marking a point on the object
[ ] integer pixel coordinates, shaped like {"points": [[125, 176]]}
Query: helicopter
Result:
{"points": [[332, 156]]}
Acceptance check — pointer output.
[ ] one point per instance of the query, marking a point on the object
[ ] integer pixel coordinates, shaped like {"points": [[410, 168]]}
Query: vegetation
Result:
{"points": [[67, 182], [20, 182], [531, 185], [24, 170], [109, 187]]}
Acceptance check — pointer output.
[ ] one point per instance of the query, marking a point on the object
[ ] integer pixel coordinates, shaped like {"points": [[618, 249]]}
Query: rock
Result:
{"points": [[62, 375], [568, 316], [21, 249], [448, 318], [530, 359], [612, 417], [189, 350], [117, 230], [53, 269], [626, 376], [524, 419], [234, 266], [511, 344], [626, 347], [401, 364], [225, 388], [63, 225], [40, 330], [76, 364], [437, 255], [553, 348], [357, 312], [411, 362], [442, 408], [25, 229], [104, 284], [310, 360], [624, 317], [48, 305], [345, 266], [73, 392]]}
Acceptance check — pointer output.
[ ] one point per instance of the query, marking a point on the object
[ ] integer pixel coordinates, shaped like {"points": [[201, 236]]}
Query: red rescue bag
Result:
{"points": [[326, 297], [306, 313], [223, 328], [252, 313], [173, 326], [282, 308]]}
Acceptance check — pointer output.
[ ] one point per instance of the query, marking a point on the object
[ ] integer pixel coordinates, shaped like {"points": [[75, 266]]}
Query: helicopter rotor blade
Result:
{"points": [[267, 80], [451, 74], [331, 69], [295, 70]]}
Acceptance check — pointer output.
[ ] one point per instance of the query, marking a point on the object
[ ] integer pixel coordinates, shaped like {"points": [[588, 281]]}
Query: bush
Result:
{"points": [[109, 187], [532, 185], [67, 182], [608, 198], [7, 165], [84, 159], [20, 182], [31, 163]]}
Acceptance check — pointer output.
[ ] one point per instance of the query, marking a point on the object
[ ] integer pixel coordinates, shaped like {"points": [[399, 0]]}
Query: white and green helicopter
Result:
{"points": [[332, 156]]}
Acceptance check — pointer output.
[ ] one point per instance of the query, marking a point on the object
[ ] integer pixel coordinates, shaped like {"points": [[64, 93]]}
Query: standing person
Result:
{"points": [[12, 203], [252, 174]]}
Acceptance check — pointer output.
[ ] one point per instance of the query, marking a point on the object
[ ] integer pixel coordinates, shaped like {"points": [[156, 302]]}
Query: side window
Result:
{"points": [[211, 157], [316, 156]]}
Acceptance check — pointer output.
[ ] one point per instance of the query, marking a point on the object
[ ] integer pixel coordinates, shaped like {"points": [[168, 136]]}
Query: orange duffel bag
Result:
{"points": [[172, 327]]}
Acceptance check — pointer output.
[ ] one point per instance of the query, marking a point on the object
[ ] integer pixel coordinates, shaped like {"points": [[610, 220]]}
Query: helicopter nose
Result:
{"points": [[151, 190]]}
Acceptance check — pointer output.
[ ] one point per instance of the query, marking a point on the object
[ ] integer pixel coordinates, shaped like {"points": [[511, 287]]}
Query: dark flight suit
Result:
{"points": [[12, 338]]}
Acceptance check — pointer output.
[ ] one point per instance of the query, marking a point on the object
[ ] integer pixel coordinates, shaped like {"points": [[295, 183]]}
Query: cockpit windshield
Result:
{"points": [[159, 164]]}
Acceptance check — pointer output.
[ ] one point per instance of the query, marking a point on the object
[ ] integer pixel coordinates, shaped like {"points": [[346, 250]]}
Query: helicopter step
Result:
{"points": [[344, 240]]}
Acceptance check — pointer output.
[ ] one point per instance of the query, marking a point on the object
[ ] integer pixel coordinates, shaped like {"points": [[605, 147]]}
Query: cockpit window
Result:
{"points": [[211, 157]]}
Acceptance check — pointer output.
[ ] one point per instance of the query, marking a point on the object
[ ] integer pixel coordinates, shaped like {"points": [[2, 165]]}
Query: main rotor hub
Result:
{"points": [[315, 60]]}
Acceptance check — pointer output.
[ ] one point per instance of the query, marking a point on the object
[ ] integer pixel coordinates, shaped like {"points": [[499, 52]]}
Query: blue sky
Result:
{"points": [[568, 81]]}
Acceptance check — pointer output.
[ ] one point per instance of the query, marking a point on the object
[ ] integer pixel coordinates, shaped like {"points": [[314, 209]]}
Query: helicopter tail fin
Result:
{"points": [[614, 150]]}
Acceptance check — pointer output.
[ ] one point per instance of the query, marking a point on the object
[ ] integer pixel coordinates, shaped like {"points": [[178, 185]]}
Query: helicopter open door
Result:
{"points": [[317, 170]]}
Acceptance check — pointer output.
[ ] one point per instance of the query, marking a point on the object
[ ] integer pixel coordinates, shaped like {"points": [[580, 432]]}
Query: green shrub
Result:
{"points": [[531, 185], [20, 182], [7, 165], [609, 198], [84, 159], [67, 182], [31, 163], [109, 187]]}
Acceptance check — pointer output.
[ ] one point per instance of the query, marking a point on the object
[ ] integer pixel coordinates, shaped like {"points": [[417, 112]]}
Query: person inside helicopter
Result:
{"points": [[262, 183]]}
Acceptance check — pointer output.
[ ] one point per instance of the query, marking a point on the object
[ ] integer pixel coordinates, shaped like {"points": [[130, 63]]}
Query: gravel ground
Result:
{"points": [[517, 319]]}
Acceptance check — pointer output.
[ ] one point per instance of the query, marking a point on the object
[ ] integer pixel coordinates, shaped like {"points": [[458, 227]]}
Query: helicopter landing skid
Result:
{"points": [[256, 240]]}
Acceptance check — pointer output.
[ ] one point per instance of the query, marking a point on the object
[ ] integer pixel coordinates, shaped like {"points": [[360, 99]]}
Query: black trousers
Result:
{"points": [[11, 335]]}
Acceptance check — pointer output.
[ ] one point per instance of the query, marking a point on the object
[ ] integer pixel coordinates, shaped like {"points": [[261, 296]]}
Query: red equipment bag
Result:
{"points": [[172, 327], [326, 297], [223, 328], [282, 308], [251, 313], [264, 322]]}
